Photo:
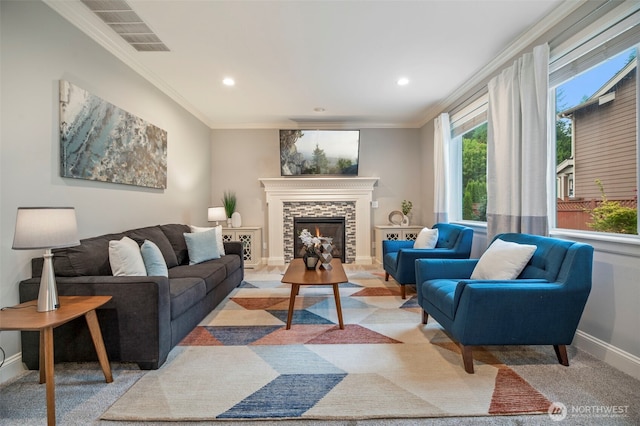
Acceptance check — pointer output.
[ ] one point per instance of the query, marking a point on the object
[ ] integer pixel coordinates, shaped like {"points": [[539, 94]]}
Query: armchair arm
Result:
{"points": [[392, 246], [532, 311], [429, 269]]}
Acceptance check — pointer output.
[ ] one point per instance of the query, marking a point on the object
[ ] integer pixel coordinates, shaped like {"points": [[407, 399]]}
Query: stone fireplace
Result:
{"points": [[348, 198]]}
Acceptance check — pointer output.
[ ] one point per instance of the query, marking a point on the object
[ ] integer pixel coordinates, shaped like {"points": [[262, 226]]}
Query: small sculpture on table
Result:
{"points": [[325, 251]]}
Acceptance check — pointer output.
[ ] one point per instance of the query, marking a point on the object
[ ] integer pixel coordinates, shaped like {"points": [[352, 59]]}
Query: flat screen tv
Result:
{"points": [[319, 152]]}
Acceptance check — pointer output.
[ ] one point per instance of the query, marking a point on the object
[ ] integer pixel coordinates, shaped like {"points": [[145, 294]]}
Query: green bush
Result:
{"points": [[610, 216]]}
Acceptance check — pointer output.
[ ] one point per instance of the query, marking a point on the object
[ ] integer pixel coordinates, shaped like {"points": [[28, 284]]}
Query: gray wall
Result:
{"points": [[39, 48], [240, 157]]}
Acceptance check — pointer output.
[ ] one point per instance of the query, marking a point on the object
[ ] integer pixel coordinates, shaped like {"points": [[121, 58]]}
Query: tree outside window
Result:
{"points": [[474, 174]]}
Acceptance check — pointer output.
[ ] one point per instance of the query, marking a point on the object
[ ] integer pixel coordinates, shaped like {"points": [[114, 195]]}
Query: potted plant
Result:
{"points": [[406, 209], [229, 203]]}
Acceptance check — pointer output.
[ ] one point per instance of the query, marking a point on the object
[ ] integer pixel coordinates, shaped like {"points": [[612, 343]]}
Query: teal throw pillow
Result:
{"points": [[202, 246], [153, 260]]}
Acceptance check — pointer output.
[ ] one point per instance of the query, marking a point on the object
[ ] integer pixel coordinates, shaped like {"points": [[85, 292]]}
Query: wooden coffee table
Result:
{"points": [[297, 274], [25, 317]]}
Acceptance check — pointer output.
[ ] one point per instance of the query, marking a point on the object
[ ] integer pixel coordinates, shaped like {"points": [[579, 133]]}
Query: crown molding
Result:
{"points": [[552, 19]]}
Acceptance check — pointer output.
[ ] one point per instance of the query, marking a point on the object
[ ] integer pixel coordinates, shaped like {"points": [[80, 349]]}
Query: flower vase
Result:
{"points": [[326, 250], [310, 260]]}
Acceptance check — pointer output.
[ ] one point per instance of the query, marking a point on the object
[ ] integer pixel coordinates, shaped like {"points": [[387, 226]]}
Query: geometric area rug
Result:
{"points": [[241, 364]]}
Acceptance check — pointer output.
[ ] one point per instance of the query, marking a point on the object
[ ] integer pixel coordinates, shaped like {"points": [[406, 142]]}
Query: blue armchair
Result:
{"points": [[399, 256], [542, 306]]}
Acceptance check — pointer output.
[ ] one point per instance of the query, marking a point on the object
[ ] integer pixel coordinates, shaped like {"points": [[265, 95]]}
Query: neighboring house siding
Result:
{"points": [[605, 146]]}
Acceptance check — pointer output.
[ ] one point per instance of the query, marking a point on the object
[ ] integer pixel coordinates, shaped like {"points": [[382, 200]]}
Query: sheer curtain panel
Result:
{"points": [[517, 147]]}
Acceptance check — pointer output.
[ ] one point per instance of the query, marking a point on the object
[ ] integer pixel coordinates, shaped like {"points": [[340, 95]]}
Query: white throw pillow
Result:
{"points": [[125, 258], [426, 239], [218, 235], [503, 260]]}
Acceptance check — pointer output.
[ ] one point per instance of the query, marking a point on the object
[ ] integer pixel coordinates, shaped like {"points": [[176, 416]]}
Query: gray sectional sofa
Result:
{"points": [[148, 315]]}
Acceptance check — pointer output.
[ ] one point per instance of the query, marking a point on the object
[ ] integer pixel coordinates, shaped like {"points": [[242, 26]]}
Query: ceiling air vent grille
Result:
{"points": [[124, 21]]}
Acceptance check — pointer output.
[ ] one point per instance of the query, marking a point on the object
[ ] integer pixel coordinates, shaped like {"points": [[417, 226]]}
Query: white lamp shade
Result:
{"points": [[45, 228], [217, 214]]}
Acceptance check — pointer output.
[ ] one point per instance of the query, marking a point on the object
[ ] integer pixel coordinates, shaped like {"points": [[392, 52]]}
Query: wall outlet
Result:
{"points": [[264, 245], [374, 204]]}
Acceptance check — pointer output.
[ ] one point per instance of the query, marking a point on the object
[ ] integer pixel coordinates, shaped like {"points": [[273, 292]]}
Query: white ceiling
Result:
{"points": [[290, 57]]}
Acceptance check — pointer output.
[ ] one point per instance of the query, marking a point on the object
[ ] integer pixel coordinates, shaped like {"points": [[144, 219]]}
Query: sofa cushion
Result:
{"points": [[548, 258], [231, 262], [185, 293], [447, 235], [175, 235], [213, 272], [91, 257], [155, 234]]}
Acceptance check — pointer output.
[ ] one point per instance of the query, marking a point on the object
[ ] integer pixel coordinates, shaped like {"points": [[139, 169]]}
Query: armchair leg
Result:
{"points": [[403, 291], [467, 358], [425, 317], [561, 353], [386, 276]]}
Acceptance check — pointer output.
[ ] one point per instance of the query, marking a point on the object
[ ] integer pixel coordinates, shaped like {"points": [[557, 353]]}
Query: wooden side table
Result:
{"points": [[25, 317]]}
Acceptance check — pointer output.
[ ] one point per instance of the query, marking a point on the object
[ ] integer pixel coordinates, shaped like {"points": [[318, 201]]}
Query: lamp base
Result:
{"points": [[48, 293]]}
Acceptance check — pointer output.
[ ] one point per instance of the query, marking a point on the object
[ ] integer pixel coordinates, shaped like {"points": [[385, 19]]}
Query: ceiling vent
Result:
{"points": [[124, 21]]}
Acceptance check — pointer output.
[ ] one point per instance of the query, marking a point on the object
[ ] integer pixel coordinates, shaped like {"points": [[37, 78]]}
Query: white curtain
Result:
{"points": [[441, 142], [517, 147]]}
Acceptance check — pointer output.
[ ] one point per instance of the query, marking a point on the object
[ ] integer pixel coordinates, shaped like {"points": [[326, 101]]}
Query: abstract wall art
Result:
{"points": [[99, 141]]}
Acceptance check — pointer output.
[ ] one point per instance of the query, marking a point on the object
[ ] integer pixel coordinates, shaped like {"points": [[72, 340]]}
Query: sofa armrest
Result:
{"points": [[392, 246], [235, 247], [135, 323], [429, 269]]}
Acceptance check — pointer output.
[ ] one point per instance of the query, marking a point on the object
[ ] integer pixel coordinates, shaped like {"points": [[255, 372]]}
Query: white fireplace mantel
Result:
{"points": [[325, 189]]}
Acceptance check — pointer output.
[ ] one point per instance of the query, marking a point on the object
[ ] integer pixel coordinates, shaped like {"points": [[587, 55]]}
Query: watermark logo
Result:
{"points": [[558, 411]]}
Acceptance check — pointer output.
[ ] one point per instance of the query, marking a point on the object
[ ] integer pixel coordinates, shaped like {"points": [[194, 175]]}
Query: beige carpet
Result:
{"points": [[242, 364]]}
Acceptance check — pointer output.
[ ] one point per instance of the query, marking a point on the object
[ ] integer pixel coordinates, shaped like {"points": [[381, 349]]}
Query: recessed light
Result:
{"points": [[228, 81], [403, 81]]}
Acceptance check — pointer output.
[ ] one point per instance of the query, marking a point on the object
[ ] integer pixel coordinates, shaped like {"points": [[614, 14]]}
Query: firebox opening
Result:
{"points": [[333, 227]]}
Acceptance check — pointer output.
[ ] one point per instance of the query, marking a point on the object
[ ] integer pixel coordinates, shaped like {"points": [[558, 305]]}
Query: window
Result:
{"points": [[596, 130], [474, 174], [469, 155]]}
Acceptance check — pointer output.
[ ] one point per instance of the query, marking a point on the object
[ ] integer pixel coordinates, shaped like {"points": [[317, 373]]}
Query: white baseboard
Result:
{"points": [[616, 357], [11, 368]]}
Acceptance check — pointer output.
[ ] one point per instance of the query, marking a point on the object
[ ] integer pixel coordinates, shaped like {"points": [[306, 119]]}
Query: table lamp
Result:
{"points": [[217, 214], [46, 228]]}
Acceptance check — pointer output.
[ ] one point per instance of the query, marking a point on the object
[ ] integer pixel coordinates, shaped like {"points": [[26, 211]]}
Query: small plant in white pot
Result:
{"points": [[229, 203]]}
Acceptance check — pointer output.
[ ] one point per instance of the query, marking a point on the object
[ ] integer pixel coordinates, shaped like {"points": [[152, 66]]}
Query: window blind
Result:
{"points": [[618, 37]]}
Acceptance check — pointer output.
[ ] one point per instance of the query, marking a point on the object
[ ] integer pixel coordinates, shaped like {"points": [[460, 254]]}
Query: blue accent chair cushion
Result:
{"points": [[542, 306], [399, 256]]}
